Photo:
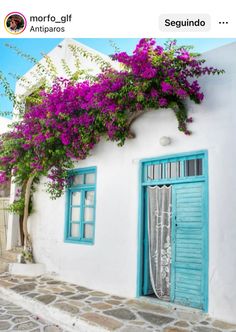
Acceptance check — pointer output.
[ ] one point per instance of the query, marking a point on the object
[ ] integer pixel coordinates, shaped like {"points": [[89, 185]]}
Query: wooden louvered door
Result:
{"points": [[189, 245]]}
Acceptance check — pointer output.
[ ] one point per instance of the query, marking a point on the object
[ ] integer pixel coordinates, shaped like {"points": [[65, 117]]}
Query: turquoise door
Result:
{"points": [[187, 175], [189, 245]]}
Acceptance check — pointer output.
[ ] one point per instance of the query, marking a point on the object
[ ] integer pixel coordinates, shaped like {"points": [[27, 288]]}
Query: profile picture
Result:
{"points": [[15, 23]]}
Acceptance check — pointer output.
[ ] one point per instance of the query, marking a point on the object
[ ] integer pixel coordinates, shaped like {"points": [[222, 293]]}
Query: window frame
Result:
{"points": [[182, 158], [82, 188]]}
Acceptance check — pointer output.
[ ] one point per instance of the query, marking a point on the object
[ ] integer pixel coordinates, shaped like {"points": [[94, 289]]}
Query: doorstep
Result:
{"points": [[76, 308]]}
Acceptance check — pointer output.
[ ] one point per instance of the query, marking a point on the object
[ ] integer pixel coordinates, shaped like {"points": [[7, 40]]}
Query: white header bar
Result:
{"points": [[122, 19]]}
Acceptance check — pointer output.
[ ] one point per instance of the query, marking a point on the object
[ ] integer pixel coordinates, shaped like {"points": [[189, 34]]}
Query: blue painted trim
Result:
{"points": [[81, 214], [140, 234], [206, 232], [146, 275], [67, 212], [70, 240], [142, 185], [173, 231], [189, 179], [82, 188], [177, 155], [82, 170]]}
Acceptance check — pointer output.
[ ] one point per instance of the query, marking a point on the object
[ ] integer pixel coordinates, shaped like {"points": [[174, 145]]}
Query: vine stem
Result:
{"points": [[132, 118], [27, 242]]}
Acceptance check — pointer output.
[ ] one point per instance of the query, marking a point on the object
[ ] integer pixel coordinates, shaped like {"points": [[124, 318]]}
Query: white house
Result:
{"points": [[100, 233]]}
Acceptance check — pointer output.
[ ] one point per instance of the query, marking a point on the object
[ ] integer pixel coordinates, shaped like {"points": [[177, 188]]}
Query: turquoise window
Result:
{"points": [[80, 206]]}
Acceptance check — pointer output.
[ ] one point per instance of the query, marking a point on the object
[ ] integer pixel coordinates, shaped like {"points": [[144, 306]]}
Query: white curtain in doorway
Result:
{"points": [[159, 236]]}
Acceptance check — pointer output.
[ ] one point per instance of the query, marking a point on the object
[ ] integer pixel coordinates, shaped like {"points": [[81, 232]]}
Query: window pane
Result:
{"points": [[158, 171], [75, 214], [193, 167], [88, 231], [167, 170], [76, 197], [88, 214], [199, 167], [175, 169], [190, 167], [90, 178], [172, 170], [89, 197], [155, 172], [78, 179], [150, 172], [75, 230]]}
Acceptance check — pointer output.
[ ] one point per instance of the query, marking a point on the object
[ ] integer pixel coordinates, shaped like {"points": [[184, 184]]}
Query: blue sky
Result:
{"points": [[12, 63]]}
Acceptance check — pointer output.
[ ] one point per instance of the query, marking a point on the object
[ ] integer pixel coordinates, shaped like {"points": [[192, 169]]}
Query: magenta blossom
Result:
{"points": [[3, 177], [185, 56], [181, 93], [166, 87], [65, 139], [163, 102]]}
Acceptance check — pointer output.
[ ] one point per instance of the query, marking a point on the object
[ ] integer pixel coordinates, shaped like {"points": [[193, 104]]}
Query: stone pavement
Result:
{"points": [[77, 308], [15, 318]]}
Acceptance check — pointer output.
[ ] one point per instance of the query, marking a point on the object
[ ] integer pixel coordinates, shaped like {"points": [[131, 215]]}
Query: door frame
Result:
{"points": [[141, 212]]}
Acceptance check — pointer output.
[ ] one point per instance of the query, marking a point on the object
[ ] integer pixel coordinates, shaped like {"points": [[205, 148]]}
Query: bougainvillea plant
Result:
{"points": [[72, 117]]}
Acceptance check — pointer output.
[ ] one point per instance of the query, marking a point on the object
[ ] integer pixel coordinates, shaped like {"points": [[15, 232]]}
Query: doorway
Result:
{"points": [[174, 228]]}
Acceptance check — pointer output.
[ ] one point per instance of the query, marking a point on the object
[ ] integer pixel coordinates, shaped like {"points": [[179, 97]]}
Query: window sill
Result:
{"points": [[89, 243]]}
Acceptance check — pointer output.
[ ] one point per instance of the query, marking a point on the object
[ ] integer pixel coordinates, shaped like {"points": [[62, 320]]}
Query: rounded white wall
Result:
{"points": [[111, 263]]}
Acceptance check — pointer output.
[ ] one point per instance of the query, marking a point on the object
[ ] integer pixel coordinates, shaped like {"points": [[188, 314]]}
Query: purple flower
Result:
{"points": [[200, 96], [139, 107], [166, 87], [40, 138], [65, 139], [3, 177], [159, 50], [163, 102], [26, 146], [154, 93], [181, 93], [149, 73], [187, 132], [131, 94], [185, 56]]}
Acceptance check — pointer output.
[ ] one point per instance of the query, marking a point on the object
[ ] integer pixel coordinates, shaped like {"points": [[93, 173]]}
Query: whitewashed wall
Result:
{"points": [[62, 51], [111, 263], [4, 122]]}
